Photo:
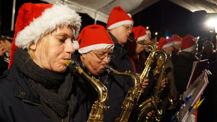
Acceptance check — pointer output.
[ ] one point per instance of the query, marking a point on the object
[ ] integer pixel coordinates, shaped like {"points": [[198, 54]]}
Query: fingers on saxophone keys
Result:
{"points": [[163, 83], [145, 83], [149, 114]]}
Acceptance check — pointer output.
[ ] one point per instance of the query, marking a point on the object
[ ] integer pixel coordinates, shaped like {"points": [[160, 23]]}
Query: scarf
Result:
{"points": [[53, 88]]}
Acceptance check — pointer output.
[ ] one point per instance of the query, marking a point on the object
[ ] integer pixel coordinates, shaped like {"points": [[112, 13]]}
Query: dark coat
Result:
{"points": [[120, 85], [91, 94], [19, 103], [3, 65], [207, 111], [182, 69]]}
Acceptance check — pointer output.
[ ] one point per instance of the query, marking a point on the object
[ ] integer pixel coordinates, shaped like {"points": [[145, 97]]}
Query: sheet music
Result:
{"points": [[192, 94], [197, 68]]}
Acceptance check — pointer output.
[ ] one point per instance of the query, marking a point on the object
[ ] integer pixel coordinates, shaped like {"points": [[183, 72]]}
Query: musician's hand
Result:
{"points": [[149, 114], [163, 83], [145, 83]]}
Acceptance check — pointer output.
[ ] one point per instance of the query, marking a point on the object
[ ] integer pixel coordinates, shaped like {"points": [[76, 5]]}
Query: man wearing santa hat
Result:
{"points": [[93, 55], [39, 86], [184, 62], [166, 44], [177, 40], [119, 25], [136, 47]]}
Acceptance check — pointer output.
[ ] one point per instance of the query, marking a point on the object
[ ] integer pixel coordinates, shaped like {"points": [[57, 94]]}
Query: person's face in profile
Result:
{"points": [[139, 48], [5, 46], [178, 46], [121, 33], [208, 49], [96, 60], [53, 49], [169, 49], [143, 45]]}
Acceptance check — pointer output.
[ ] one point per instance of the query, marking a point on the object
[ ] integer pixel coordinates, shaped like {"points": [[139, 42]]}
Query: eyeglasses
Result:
{"points": [[103, 55], [128, 27]]}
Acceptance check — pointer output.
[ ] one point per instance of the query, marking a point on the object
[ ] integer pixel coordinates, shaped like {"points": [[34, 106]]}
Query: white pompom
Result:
{"points": [[129, 15]]}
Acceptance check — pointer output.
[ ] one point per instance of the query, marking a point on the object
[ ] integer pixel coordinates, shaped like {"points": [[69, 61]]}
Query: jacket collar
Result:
{"points": [[21, 86]]}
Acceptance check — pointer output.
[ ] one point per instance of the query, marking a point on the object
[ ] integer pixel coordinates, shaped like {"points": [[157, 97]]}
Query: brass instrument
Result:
{"points": [[96, 113], [135, 92], [155, 103], [128, 102]]}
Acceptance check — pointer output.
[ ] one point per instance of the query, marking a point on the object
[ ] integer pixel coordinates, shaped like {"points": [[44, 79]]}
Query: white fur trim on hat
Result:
{"points": [[95, 47], [167, 45], [57, 15], [177, 42], [144, 37], [190, 49], [125, 22]]}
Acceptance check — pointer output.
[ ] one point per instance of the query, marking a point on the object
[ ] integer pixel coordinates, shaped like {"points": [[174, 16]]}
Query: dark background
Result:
{"points": [[160, 17]]}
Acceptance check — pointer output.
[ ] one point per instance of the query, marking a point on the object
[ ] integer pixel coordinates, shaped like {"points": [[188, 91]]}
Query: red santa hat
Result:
{"points": [[188, 43], [164, 43], [94, 37], [118, 17], [176, 39], [36, 20], [140, 33]]}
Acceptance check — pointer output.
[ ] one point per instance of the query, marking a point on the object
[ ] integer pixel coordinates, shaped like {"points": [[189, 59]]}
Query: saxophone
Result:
{"points": [[96, 113], [135, 92], [155, 103], [128, 102]]}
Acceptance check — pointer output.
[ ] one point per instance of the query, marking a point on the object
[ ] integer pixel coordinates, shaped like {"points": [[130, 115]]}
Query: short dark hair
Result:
{"points": [[6, 35]]}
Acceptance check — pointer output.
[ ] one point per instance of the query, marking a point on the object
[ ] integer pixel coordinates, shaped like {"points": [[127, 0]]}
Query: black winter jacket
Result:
{"points": [[120, 85], [18, 103], [182, 69]]}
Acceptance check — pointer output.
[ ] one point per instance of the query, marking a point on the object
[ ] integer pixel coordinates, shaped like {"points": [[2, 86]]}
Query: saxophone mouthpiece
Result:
{"points": [[109, 68], [68, 62]]}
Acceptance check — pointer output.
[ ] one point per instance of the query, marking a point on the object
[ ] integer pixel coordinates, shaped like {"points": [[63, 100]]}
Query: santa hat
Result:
{"points": [[94, 37], [164, 43], [176, 39], [140, 33], [188, 43], [36, 20], [118, 17]]}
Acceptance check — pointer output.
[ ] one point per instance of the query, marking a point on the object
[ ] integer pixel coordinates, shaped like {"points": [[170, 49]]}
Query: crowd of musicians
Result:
{"points": [[51, 71]]}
